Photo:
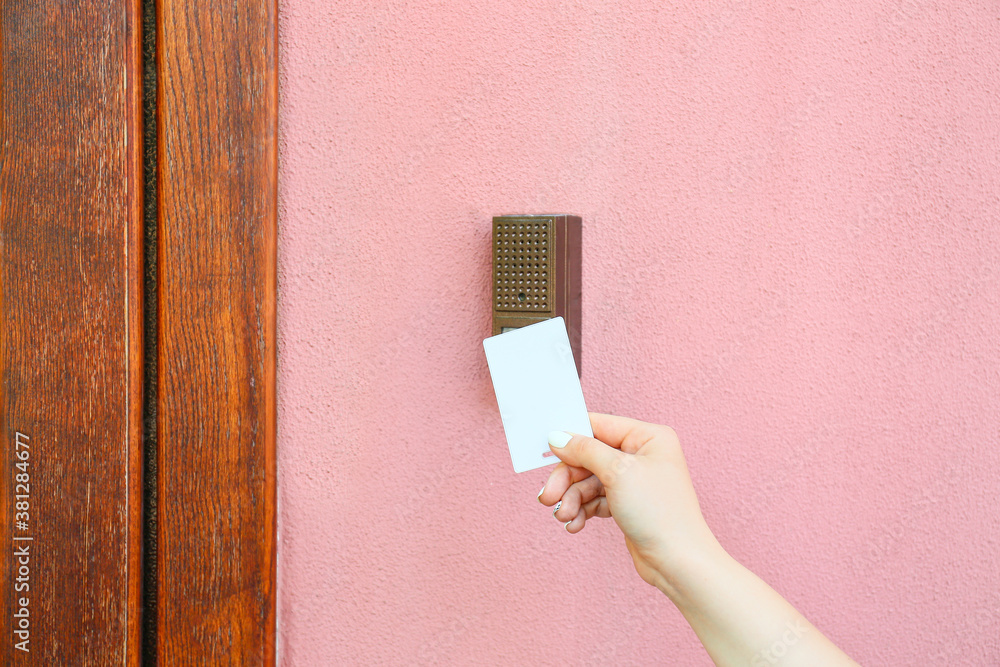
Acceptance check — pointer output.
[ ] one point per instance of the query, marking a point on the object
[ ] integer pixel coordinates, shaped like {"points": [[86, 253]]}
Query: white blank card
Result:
{"points": [[537, 388]]}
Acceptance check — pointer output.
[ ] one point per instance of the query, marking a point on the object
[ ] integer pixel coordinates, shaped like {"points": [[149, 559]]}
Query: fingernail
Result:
{"points": [[559, 438], [556, 508], [566, 525], [539, 496]]}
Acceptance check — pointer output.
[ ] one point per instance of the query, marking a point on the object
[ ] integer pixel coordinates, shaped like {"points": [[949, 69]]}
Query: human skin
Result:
{"points": [[635, 473]]}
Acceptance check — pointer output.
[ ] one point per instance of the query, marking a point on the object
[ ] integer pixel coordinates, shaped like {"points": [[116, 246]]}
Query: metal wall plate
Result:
{"points": [[536, 272]]}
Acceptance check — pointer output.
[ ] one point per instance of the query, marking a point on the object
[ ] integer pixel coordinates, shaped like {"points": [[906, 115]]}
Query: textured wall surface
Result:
{"points": [[791, 242]]}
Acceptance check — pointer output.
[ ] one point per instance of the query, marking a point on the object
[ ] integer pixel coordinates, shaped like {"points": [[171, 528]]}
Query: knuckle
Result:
{"points": [[571, 499], [668, 432]]}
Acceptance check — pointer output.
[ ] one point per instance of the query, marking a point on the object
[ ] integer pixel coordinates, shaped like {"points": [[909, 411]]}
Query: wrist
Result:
{"points": [[689, 568]]}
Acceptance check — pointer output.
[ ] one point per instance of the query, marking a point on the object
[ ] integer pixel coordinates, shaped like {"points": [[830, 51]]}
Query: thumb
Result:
{"points": [[584, 452]]}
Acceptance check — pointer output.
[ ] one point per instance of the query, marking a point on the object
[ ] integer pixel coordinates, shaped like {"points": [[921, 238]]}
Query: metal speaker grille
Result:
{"points": [[522, 268]]}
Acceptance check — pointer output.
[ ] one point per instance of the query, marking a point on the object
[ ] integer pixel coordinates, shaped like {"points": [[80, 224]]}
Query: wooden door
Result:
{"points": [[137, 342]]}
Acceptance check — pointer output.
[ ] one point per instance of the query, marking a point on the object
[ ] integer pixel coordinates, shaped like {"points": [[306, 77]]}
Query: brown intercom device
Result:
{"points": [[536, 272]]}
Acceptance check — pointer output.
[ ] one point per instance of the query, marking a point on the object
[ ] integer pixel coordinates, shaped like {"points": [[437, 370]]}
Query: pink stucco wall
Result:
{"points": [[791, 240]]}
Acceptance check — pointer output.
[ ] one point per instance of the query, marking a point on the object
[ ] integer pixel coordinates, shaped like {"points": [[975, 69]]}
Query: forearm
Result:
{"points": [[741, 620], [641, 479]]}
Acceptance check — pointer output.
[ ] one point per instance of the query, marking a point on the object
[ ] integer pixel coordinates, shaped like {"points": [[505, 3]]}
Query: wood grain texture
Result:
{"points": [[217, 109], [70, 349]]}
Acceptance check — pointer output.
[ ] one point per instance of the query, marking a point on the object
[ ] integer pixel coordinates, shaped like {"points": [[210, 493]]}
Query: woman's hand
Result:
{"points": [[635, 473]]}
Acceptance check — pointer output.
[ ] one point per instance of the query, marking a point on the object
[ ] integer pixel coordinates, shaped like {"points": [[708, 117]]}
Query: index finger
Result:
{"points": [[622, 433]]}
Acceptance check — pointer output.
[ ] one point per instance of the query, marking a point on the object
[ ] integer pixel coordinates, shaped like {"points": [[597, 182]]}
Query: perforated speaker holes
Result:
{"points": [[522, 269]]}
